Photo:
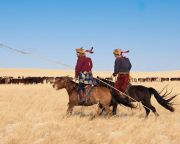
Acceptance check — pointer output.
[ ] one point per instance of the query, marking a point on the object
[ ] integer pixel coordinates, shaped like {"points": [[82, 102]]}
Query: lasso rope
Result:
{"points": [[44, 58]]}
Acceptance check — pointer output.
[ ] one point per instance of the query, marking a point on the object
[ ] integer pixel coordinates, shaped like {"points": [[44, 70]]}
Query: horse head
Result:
{"points": [[61, 82]]}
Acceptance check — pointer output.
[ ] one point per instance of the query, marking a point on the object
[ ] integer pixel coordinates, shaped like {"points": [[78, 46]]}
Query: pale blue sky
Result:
{"points": [[150, 29]]}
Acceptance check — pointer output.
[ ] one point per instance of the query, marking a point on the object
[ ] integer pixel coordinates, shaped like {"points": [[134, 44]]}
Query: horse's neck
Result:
{"points": [[70, 87]]}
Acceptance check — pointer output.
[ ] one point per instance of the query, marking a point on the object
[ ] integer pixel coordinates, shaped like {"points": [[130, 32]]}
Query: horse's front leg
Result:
{"points": [[70, 109]]}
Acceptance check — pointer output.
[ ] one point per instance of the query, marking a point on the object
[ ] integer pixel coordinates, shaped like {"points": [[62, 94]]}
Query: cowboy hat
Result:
{"points": [[80, 50], [119, 51]]}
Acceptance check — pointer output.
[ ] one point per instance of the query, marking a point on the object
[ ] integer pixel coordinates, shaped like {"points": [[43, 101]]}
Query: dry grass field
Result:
{"points": [[36, 114]]}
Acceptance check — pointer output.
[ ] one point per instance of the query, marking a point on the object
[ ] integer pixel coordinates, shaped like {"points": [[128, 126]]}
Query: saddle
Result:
{"points": [[83, 95], [88, 89]]}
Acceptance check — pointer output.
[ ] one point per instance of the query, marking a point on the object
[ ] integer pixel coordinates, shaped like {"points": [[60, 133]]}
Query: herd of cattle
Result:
{"points": [[154, 79], [43, 80], [26, 80]]}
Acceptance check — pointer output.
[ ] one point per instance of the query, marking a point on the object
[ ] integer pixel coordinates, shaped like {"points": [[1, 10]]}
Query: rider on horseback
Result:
{"points": [[122, 67], [83, 72]]}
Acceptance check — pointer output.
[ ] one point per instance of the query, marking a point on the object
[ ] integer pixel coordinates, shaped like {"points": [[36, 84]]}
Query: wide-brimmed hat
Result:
{"points": [[119, 51], [80, 50]]}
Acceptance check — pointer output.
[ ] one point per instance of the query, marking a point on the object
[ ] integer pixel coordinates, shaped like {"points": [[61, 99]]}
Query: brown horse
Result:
{"points": [[142, 94], [98, 95]]}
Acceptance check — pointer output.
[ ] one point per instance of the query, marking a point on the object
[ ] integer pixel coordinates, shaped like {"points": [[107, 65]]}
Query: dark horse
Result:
{"points": [[99, 95], [142, 94]]}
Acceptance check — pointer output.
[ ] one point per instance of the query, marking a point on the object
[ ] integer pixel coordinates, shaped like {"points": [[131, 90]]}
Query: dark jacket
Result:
{"points": [[83, 64], [122, 64]]}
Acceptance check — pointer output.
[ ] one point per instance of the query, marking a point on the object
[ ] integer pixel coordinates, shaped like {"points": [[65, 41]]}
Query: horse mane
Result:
{"points": [[71, 80]]}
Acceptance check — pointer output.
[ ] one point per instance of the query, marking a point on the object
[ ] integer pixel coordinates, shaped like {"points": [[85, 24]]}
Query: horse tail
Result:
{"points": [[166, 103]]}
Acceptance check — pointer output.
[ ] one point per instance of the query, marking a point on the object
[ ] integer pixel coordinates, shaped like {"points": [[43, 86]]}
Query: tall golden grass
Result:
{"points": [[36, 114]]}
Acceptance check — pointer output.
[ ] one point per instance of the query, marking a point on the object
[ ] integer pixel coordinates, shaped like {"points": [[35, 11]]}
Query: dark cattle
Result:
{"points": [[164, 79], [8, 80], [141, 79], [133, 79], [175, 79], [2, 80]]}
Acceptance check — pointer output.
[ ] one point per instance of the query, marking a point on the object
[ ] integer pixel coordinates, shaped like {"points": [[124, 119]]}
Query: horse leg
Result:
{"points": [[114, 109], [108, 110], [146, 106], [149, 105], [147, 112], [154, 110], [100, 109], [70, 109]]}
